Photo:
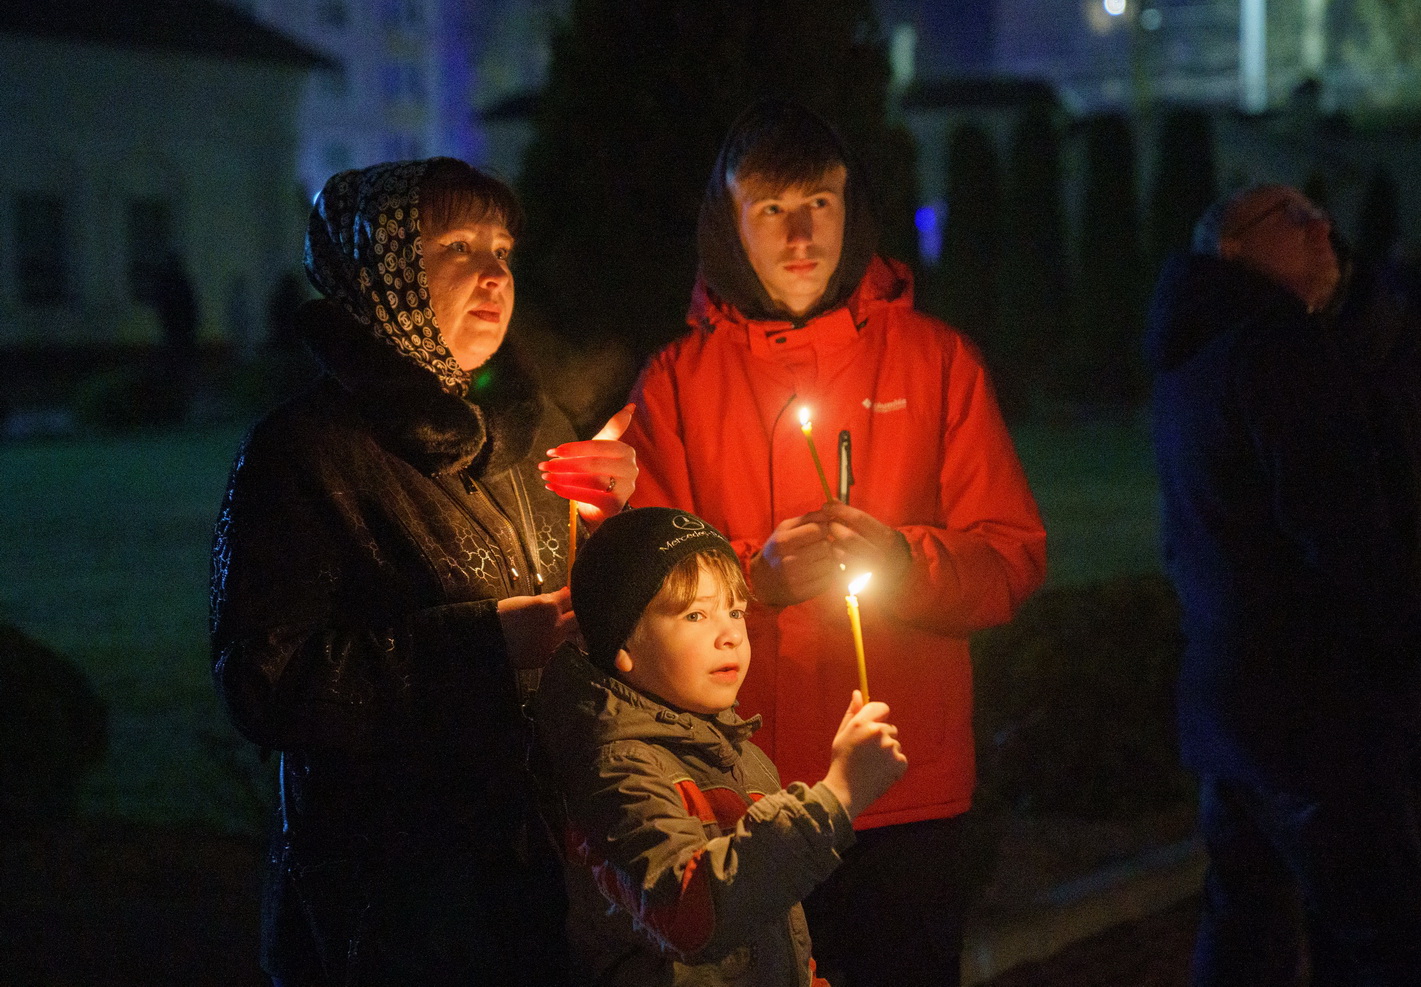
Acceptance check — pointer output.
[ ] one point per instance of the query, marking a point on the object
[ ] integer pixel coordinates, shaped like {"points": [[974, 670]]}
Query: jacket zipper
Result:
{"points": [[530, 535], [511, 577]]}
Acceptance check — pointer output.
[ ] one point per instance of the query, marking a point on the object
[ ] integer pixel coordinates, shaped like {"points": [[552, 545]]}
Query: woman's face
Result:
{"points": [[470, 287]]}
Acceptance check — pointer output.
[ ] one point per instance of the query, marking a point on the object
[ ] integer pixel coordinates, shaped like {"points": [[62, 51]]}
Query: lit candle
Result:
{"points": [[571, 536], [853, 601], [807, 427]]}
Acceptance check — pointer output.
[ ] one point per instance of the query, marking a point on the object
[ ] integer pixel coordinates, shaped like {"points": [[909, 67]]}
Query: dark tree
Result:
{"points": [[1378, 220], [1185, 181], [1105, 350], [970, 243], [639, 96], [1035, 296]]}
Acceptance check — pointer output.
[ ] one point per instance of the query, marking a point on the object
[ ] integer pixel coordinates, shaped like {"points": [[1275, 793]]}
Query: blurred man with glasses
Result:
{"points": [[1285, 535]]}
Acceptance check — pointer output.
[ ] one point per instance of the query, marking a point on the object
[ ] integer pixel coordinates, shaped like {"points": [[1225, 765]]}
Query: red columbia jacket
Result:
{"points": [[717, 433]]}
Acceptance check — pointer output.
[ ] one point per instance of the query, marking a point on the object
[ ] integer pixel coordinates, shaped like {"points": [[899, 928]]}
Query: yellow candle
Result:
{"points": [[853, 601], [807, 427], [571, 536]]}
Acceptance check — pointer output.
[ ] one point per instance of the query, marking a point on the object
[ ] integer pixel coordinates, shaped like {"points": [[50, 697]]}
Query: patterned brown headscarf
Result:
{"points": [[363, 251]]}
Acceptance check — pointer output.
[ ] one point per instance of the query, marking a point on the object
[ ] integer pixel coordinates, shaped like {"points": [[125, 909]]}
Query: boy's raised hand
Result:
{"points": [[867, 758]]}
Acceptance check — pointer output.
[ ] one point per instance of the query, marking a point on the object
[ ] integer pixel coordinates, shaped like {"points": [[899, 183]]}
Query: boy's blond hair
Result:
{"points": [[678, 589]]}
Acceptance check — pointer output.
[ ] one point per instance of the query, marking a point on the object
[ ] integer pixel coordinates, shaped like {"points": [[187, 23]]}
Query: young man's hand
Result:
{"points": [[861, 541], [796, 564], [867, 757], [599, 473], [534, 626]]}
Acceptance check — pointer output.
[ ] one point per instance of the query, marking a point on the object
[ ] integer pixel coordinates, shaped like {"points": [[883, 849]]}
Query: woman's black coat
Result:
{"points": [[369, 530]]}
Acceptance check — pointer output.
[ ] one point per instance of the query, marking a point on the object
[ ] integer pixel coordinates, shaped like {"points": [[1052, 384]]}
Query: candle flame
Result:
{"points": [[804, 416], [858, 584]]}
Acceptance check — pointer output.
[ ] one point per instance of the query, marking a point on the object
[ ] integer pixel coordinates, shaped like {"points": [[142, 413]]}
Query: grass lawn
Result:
{"points": [[1096, 487], [104, 556]]}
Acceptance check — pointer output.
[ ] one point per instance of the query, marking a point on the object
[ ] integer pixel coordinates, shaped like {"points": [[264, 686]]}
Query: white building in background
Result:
{"points": [[408, 78], [131, 131], [1240, 60]]}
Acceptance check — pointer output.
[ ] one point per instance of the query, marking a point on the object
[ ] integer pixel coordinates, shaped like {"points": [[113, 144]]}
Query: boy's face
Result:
{"points": [[794, 237], [694, 659]]}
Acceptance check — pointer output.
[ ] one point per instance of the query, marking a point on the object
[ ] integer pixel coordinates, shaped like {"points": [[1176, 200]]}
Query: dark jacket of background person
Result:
{"points": [[369, 530], [1378, 322], [686, 859], [1300, 660]]}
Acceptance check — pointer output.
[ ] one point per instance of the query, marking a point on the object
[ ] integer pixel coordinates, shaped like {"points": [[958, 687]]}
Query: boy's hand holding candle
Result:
{"points": [[867, 758]]}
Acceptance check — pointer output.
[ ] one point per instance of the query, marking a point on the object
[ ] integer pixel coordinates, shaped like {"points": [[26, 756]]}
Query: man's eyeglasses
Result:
{"points": [[1299, 212]]}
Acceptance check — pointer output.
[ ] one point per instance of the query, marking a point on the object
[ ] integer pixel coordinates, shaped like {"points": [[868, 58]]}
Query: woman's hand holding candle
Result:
{"points": [[534, 626], [867, 758], [598, 473]]}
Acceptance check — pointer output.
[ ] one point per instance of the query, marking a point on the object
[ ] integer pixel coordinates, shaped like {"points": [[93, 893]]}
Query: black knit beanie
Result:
{"points": [[622, 566]]}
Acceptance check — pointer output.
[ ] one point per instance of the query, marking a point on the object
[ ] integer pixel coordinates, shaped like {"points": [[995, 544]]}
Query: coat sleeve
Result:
{"points": [[664, 479], [299, 662], [697, 897], [976, 569]]}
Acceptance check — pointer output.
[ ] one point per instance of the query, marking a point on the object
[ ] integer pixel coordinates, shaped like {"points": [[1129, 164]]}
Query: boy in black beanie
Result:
{"points": [[686, 859]]}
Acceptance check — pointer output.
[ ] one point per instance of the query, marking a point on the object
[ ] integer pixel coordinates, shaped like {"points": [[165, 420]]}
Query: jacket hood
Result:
{"points": [[725, 269], [580, 708], [886, 282], [412, 413], [1199, 298]]}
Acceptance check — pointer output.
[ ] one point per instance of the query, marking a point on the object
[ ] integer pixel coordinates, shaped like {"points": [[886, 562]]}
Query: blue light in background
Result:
{"points": [[929, 220]]}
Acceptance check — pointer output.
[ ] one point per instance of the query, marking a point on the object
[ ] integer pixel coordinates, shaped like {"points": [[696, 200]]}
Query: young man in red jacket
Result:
{"points": [[794, 309]]}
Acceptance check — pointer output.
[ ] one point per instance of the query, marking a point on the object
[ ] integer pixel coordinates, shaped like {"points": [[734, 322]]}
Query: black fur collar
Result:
{"points": [[410, 412]]}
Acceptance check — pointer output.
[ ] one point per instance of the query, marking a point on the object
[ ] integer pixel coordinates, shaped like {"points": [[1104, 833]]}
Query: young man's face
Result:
{"points": [[793, 237], [695, 658]]}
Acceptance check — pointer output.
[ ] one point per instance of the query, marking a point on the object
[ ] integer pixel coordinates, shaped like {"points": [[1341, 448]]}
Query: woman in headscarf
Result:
{"points": [[389, 572]]}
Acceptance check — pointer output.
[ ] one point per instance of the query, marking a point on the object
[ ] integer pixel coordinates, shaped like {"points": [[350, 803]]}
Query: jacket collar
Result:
{"points": [[578, 697], [1200, 297], [411, 413], [886, 284]]}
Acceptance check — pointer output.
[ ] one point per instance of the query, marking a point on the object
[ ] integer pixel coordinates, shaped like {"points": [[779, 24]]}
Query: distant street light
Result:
{"points": [[1114, 7]]}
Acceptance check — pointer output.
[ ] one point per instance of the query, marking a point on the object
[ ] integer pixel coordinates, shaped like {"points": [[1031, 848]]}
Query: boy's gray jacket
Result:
{"points": [[686, 860]]}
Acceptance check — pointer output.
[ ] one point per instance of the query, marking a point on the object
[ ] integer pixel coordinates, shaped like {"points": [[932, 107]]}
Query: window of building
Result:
{"points": [[336, 156], [403, 147], [402, 82], [402, 14], [334, 82], [902, 54], [149, 238], [42, 245], [332, 13]]}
